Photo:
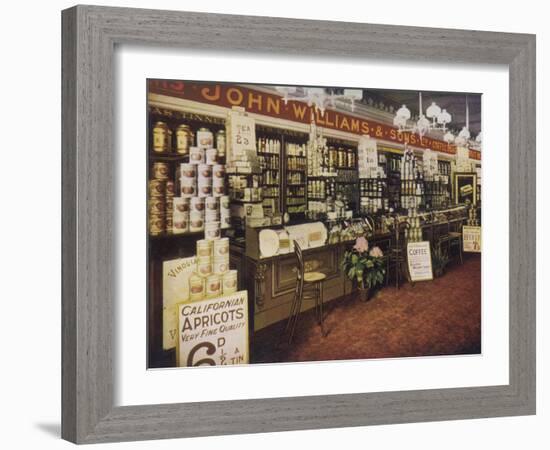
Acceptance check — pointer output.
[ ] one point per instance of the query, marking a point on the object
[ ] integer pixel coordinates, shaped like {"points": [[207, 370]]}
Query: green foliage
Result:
{"points": [[368, 271]]}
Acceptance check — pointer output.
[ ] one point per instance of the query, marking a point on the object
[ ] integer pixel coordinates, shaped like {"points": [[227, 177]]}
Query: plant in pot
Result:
{"points": [[364, 267]]}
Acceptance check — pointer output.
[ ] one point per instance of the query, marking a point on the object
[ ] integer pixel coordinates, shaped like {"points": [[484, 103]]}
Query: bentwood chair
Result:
{"points": [[452, 237], [309, 286]]}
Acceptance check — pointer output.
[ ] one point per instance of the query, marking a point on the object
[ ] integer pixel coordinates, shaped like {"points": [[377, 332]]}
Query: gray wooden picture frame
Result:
{"points": [[90, 34]]}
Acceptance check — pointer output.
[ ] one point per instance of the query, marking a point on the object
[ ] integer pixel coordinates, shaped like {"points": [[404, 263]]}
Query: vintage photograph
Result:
{"points": [[292, 224]]}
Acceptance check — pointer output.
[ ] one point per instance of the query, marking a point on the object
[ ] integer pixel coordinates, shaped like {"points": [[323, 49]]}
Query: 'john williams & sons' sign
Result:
{"points": [[270, 104]]}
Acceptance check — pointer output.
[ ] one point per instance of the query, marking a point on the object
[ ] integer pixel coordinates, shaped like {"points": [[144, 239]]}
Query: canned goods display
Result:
{"points": [[188, 190], [211, 203], [221, 247], [224, 202], [160, 170], [180, 222], [170, 188], [204, 266], [196, 287], [218, 171], [183, 138], [181, 204], [211, 216], [204, 187], [221, 143], [204, 171], [157, 188], [157, 206], [188, 170], [229, 282], [221, 264], [204, 248], [160, 136], [205, 138], [197, 204], [196, 155], [213, 286], [196, 221], [156, 224], [225, 222], [211, 156], [212, 230]]}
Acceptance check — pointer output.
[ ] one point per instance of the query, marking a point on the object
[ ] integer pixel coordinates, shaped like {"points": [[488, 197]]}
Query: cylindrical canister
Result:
{"points": [[188, 189], [188, 170], [196, 155], [218, 187], [212, 230], [211, 156], [160, 133], [204, 248], [213, 286], [224, 202], [180, 222], [181, 204], [205, 138], [156, 205], [204, 171], [218, 171], [204, 187], [183, 136], [221, 264], [204, 266], [229, 282], [170, 188], [221, 143], [196, 221], [196, 287], [197, 204], [220, 248], [225, 221], [160, 170], [156, 224], [211, 203], [157, 188], [211, 216]]}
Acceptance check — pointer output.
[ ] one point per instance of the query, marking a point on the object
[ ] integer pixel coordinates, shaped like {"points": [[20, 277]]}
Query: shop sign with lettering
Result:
{"points": [[419, 260], [273, 105], [471, 239], [213, 332]]}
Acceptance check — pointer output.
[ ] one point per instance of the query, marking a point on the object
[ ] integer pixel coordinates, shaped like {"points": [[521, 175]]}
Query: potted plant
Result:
{"points": [[364, 267]]}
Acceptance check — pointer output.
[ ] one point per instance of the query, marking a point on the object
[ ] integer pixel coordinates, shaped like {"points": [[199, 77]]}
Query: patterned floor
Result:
{"points": [[439, 317]]}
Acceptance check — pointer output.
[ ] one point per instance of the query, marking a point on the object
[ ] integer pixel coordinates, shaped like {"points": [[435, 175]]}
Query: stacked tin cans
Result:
{"points": [[160, 199], [213, 270]]}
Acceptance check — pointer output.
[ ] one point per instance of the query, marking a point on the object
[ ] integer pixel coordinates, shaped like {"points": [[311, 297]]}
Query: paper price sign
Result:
{"points": [[471, 239], [243, 133], [175, 289], [213, 332], [419, 260]]}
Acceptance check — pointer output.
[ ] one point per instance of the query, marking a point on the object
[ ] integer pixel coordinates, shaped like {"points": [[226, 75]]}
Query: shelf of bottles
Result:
{"points": [[412, 181], [269, 156], [296, 178], [343, 159], [437, 193]]}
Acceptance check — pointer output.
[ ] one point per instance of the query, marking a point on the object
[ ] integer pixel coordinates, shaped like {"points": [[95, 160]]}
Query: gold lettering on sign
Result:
{"points": [[364, 127], [234, 96], [255, 101], [214, 96], [273, 105], [299, 110], [355, 125], [344, 124]]}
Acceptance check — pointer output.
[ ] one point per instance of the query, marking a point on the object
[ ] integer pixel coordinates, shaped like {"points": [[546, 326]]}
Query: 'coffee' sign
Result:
{"points": [[213, 332], [270, 104]]}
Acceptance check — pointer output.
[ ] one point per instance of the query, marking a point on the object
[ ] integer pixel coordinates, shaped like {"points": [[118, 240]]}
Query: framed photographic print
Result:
{"points": [[250, 205]]}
